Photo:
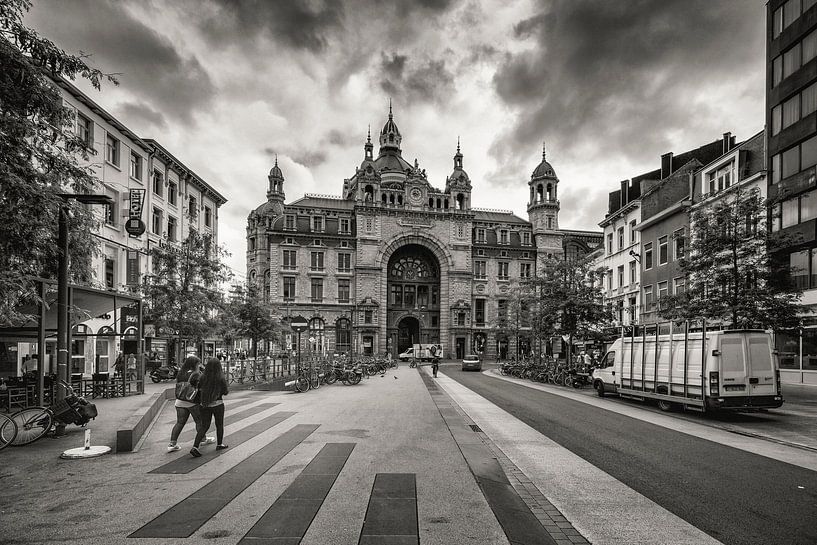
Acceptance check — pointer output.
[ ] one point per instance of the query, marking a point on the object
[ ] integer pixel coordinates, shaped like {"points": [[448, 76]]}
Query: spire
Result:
{"points": [[368, 146], [458, 156], [544, 154], [458, 144], [369, 135], [390, 114], [276, 159]]}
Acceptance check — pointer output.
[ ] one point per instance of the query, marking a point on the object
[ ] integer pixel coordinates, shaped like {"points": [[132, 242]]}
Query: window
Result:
{"points": [[460, 319], [156, 226], [503, 236], [648, 256], [789, 215], [621, 276], [809, 47], [632, 272], [648, 298], [502, 270], [422, 296], [808, 207], [317, 223], [109, 210], [171, 229], [158, 183], [172, 191], [791, 61], [679, 286], [251, 244], [112, 150], [316, 263], [344, 243], [289, 288], [632, 231], [344, 225], [609, 243], [777, 70], [479, 311], [609, 280], [480, 235], [317, 290], [460, 230], [791, 162], [526, 238], [368, 316], [408, 296], [290, 259], [791, 111], [799, 268], [620, 238], [85, 130], [344, 262], [808, 100], [368, 224], [110, 273], [662, 290], [208, 216], [791, 11], [777, 120], [135, 166], [524, 270], [479, 269], [343, 291], [435, 295], [193, 207], [397, 296], [678, 241], [289, 222]]}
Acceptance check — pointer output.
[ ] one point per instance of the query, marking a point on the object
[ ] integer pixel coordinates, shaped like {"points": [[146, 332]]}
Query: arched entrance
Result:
{"points": [[408, 332], [413, 284]]}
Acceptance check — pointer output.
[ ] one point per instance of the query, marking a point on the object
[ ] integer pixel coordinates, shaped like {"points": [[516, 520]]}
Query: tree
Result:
{"points": [[513, 319], [182, 294], [731, 276], [40, 157], [254, 316], [569, 300]]}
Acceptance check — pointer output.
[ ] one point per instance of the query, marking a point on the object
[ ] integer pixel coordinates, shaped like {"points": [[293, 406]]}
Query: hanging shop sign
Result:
{"points": [[136, 199]]}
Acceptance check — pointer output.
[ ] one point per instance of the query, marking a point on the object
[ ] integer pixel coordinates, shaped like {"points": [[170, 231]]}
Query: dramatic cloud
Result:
{"points": [[427, 81], [147, 62], [142, 116], [614, 73]]}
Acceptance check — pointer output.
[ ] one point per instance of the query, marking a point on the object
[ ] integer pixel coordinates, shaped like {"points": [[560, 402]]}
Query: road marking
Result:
{"points": [[191, 513], [602, 508], [230, 418], [391, 517], [289, 517], [774, 450], [186, 464]]}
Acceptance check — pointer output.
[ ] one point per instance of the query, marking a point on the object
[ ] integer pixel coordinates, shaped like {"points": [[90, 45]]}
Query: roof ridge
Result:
{"points": [[323, 196], [497, 210]]}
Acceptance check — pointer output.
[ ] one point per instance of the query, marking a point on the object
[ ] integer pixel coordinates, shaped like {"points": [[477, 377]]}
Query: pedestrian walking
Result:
{"points": [[435, 364], [212, 388], [187, 380]]}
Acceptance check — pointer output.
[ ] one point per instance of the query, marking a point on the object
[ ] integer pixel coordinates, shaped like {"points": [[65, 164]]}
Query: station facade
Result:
{"points": [[394, 260]]}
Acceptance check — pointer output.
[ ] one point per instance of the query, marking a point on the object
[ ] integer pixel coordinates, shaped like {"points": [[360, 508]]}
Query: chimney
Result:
{"points": [[728, 142], [666, 165], [624, 195]]}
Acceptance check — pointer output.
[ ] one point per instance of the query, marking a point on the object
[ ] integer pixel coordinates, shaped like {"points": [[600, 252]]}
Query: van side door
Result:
{"points": [[607, 371]]}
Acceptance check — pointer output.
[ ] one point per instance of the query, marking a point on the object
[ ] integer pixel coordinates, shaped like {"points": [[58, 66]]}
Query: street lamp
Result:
{"points": [[62, 282]]}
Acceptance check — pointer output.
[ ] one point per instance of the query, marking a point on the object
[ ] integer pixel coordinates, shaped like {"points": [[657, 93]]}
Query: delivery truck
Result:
{"points": [[421, 352], [699, 370]]}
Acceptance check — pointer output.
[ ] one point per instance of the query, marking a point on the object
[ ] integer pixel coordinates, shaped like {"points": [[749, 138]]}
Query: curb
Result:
{"points": [[129, 433]]}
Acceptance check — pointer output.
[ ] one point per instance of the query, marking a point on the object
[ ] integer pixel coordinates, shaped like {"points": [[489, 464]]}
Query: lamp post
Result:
{"points": [[62, 285]]}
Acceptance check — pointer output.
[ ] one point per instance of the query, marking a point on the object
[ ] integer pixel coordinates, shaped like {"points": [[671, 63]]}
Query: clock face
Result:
{"points": [[416, 195]]}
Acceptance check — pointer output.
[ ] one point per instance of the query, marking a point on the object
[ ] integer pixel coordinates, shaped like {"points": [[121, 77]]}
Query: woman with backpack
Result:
{"points": [[187, 380], [212, 387]]}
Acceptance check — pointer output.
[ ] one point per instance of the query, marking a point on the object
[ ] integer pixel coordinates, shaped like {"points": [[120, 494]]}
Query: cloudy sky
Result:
{"points": [[609, 85]]}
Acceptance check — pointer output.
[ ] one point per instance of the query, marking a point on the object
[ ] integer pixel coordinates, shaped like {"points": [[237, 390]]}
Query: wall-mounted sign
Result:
{"points": [[136, 199], [135, 227]]}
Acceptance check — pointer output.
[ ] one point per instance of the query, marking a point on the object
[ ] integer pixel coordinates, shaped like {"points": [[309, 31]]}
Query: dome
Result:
{"points": [[390, 137], [544, 170], [275, 172], [270, 208], [392, 162]]}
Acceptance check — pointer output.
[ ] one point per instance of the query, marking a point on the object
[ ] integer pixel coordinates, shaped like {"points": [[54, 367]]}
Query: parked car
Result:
{"points": [[471, 362]]}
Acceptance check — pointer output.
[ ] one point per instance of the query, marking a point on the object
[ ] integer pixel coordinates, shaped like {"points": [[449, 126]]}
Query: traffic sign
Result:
{"points": [[298, 324]]}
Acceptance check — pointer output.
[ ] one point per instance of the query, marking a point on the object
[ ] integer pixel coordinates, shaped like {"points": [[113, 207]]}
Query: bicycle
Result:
{"points": [[8, 430], [34, 422]]}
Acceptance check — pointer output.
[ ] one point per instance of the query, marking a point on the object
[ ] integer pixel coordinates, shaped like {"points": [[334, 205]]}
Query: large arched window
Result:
{"points": [[343, 335], [316, 332]]}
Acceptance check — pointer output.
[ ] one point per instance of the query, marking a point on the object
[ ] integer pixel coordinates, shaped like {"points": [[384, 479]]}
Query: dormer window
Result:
{"points": [[526, 238], [289, 222], [503, 236], [317, 224]]}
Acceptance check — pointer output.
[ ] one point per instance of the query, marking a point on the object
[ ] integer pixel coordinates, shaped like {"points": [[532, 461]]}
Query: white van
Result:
{"points": [[422, 352], [733, 370]]}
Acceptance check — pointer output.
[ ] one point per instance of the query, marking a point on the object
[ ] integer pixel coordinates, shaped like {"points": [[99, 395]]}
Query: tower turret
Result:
{"points": [[275, 192], [458, 184], [390, 135], [543, 208]]}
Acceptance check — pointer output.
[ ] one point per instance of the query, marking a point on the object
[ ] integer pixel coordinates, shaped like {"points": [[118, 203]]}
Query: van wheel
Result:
{"points": [[665, 406], [599, 388]]}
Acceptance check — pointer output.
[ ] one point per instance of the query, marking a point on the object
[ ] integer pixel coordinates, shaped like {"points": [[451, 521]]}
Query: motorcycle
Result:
{"points": [[164, 373]]}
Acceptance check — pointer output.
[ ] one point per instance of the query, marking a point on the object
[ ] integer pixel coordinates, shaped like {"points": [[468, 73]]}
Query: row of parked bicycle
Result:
{"points": [[339, 369], [550, 371]]}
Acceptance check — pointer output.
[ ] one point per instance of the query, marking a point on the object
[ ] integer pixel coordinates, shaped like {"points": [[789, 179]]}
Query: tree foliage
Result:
{"points": [[569, 300], [253, 316], [183, 292], [40, 157], [731, 276]]}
